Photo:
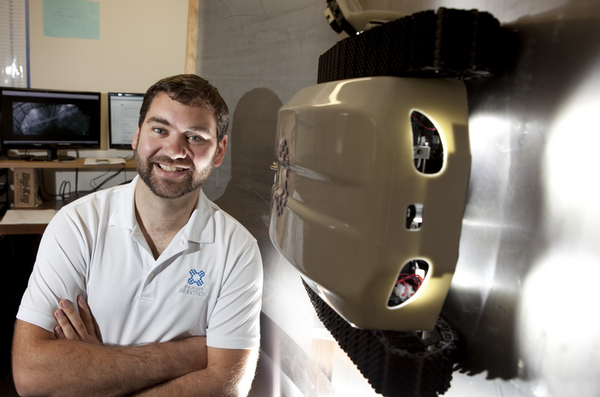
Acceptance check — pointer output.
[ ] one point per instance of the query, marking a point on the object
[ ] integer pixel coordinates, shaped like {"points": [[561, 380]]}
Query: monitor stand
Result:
{"points": [[52, 154]]}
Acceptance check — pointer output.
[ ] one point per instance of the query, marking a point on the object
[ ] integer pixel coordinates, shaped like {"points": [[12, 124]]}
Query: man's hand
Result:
{"points": [[73, 326]]}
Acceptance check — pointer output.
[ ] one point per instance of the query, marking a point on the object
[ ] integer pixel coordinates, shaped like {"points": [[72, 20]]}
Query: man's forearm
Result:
{"points": [[43, 365], [230, 375]]}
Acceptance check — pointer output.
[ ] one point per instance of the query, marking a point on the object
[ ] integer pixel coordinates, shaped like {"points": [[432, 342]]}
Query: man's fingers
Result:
{"points": [[58, 332], [63, 323], [87, 318], [76, 325], [74, 318]]}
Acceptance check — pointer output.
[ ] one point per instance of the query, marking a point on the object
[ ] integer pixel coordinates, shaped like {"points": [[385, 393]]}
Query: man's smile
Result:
{"points": [[169, 168]]}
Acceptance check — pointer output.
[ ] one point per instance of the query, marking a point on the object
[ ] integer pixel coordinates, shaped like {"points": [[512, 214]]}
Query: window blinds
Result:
{"points": [[13, 43]]}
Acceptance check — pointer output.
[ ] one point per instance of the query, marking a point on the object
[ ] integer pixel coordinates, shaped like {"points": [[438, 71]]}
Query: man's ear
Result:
{"points": [[136, 138], [221, 147]]}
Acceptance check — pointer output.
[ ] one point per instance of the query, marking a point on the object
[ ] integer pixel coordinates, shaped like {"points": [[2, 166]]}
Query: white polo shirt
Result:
{"points": [[207, 282]]}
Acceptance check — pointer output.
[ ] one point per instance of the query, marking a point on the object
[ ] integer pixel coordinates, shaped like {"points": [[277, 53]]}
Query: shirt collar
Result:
{"points": [[124, 215], [200, 228]]}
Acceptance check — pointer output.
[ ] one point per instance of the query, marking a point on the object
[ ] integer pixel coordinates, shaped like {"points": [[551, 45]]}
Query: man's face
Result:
{"points": [[176, 148]]}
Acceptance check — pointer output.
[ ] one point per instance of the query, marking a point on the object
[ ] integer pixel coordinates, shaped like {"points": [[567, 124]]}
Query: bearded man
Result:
{"points": [[149, 288]]}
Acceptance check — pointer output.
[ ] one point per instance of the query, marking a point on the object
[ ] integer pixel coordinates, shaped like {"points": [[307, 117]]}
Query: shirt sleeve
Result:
{"points": [[59, 272], [235, 321]]}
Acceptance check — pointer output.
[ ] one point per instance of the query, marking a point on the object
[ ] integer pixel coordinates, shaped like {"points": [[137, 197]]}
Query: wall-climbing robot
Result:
{"points": [[371, 176]]}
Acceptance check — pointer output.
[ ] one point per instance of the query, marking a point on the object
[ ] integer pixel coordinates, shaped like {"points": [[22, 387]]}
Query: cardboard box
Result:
{"points": [[26, 188]]}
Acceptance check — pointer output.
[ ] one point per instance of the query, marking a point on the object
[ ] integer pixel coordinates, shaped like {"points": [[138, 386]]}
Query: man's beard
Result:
{"points": [[170, 188]]}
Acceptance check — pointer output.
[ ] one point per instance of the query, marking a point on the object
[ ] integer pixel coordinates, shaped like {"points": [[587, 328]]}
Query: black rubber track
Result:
{"points": [[396, 363], [449, 43]]}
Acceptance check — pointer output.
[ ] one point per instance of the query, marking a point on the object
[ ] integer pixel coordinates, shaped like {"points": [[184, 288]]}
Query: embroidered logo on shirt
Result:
{"points": [[194, 284], [196, 277]]}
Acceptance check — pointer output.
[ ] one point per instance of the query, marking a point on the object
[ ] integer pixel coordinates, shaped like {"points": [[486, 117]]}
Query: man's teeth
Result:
{"points": [[170, 169]]}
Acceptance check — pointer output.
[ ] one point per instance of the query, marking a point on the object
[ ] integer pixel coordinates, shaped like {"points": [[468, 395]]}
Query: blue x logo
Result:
{"points": [[196, 277]]}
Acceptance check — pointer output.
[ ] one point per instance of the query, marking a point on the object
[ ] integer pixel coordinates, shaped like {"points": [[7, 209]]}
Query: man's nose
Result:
{"points": [[175, 147]]}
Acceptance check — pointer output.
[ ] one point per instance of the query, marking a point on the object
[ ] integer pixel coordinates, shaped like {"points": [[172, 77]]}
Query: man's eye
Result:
{"points": [[196, 138], [159, 130]]}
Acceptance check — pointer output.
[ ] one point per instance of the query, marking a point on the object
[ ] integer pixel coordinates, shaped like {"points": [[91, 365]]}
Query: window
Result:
{"points": [[13, 43]]}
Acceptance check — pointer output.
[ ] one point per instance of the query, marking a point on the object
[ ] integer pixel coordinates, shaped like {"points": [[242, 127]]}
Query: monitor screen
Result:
{"points": [[123, 116], [50, 120]]}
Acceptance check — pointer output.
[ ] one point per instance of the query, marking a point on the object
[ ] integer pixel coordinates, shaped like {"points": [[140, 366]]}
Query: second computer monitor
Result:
{"points": [[123, 116]]}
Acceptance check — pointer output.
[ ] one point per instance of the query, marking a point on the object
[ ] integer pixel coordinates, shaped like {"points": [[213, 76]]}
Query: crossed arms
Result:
{"points": [[73, 361]]}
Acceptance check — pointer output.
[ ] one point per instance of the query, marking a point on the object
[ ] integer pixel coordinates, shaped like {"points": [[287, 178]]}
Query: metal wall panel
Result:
{"points": [[524, 294]]}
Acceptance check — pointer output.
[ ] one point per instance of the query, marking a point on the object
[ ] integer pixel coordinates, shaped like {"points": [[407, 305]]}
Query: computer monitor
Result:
{"points": [[50, 120], [123, 116]]}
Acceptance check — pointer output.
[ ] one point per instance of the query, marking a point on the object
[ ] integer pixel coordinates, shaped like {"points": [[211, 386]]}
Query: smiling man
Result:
{"points": [[149, 288]]}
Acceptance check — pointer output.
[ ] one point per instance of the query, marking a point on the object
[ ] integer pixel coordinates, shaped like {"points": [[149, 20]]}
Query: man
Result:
{"points": [[147, 289]]}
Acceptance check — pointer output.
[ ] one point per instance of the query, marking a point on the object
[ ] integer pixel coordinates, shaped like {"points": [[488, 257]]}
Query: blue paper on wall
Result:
{"points": [[72, 18]]}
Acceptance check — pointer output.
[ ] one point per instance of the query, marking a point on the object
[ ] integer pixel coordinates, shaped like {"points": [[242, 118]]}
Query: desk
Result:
{"points": [[51, 204], [77, 163], [31, 228]]}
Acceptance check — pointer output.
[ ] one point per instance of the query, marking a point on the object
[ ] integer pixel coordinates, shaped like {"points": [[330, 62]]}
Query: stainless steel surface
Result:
{"points": [[524, 294]]}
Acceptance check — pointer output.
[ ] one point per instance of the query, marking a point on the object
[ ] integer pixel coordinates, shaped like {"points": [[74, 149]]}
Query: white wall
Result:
{"points": [[141, 41]]}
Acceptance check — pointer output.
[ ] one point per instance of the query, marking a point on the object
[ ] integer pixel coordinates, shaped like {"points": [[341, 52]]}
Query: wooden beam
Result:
{"points": [[192, 37]]}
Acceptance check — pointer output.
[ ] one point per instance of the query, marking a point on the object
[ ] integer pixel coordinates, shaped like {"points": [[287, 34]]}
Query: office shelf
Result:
{"points": [[5, 165]]}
